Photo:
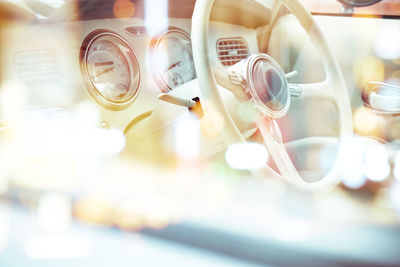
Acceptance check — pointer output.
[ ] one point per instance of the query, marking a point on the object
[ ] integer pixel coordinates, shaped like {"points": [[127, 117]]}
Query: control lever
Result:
{"points": [[291, 74], [294, 90], [176, 100], [193, 105], [382, 98]]}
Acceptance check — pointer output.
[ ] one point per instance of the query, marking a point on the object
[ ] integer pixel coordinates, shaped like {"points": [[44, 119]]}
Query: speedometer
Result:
{"points": [[110, 69], [172, 60]]}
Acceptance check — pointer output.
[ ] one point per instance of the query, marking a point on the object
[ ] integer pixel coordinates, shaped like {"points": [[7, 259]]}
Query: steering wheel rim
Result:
{"points": [[268, 128]]}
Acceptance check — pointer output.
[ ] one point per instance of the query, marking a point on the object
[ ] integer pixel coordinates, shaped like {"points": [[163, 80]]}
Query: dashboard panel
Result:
{"points": [[121, 91]]}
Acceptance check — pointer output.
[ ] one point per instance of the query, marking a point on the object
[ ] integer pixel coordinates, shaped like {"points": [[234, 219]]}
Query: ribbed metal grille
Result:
{"points": [[231, 50]]}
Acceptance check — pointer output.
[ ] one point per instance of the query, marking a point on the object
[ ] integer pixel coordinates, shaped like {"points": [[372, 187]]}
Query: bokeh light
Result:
{"points": [[58, 247], [387, 44], [293, 229], [123, 9], [351, 163], [376, 166], [104, 142], [368, 69], [54, 212], [395, 195], [367, 123], [156, 15], [187, 136], [396, 168], [246, 156]]}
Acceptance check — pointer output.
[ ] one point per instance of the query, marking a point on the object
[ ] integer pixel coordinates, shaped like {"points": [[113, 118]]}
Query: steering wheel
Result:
{"points": [[260, 79]]}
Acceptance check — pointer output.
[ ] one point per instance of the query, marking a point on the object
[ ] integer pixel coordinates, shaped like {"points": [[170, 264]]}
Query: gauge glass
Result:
{"points": [[173, 59], [109, 70], [112, 70]]}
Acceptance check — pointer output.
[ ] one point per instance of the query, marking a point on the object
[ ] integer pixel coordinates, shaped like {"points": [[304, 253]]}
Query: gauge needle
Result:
{"points": [[104, 71], [173, 66]]}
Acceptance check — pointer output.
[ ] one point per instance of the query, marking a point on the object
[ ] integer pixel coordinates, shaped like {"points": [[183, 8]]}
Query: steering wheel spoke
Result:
{"points": [[272, 137], [322, 90]]}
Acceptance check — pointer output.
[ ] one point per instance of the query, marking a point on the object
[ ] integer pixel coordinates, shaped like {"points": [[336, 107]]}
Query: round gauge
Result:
{"points": [[110, 69], [172, 59]]}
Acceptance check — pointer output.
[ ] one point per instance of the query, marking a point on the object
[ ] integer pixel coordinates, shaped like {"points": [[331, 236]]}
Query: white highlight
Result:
{"points": [[351, 163], [376, 153], [187, 136], [58, 247], [4, 226], [378, 172], [396, 170], [246, 156], [387, 45], [395, 194], [156, 15], [104, 141], [53, 3], [376, 166], [362, 158], [54, 212], [293, 230], [55, 132]]}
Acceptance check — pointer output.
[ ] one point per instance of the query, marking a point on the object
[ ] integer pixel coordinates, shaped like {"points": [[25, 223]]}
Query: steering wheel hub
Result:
{"points": [[264, 82]]}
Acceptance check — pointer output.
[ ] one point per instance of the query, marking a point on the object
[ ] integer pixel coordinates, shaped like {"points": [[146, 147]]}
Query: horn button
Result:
{"points": [[264, 82]]}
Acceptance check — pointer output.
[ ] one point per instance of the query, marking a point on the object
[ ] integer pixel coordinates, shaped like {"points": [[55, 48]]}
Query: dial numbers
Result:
{"points": [[111, 69], [172, 59]]}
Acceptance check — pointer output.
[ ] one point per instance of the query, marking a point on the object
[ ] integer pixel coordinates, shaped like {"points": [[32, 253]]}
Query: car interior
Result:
{"points": [[199, 132]]}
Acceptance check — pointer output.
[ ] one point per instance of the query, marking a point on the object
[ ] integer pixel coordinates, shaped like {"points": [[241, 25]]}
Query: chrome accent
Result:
{"points": [[249, 85], [104, 125], [346, 10], [383, 103], [135, 30], [295, 90], [236, 78], [291, 74]]}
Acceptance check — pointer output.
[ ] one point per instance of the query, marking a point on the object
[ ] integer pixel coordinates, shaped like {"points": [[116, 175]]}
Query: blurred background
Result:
{"points": [[152, 183]]}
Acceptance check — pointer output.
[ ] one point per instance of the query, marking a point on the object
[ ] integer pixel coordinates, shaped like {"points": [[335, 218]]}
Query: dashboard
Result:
{"points": [[115, 64]]}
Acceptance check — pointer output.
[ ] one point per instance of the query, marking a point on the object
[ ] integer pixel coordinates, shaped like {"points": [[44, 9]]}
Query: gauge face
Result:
{"points": [[172, 59], [111, 69]]}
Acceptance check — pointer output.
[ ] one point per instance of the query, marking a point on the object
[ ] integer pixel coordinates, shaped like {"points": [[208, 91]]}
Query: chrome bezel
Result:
{"points": [[154, 44], [131, 58], [250, 87]]}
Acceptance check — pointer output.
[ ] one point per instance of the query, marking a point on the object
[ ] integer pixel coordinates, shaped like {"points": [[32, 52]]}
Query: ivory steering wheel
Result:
{"points": [[245, 83]]}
